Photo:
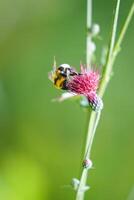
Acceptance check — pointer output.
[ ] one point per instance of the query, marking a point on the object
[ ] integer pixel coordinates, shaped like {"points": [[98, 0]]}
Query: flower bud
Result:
{"points": [[95, 102], [87, 163], [95, 29]]}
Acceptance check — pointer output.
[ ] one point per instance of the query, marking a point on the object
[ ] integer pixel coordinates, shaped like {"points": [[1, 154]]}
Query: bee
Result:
{"points": [[61, 75]]}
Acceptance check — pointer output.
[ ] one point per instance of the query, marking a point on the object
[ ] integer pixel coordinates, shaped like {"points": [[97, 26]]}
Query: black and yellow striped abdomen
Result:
{"points": [[60, 81]]}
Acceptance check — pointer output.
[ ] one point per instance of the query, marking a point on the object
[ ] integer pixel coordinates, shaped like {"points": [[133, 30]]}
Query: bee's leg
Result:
{"points": [[73, 73], [64, 85], [55, 80]]}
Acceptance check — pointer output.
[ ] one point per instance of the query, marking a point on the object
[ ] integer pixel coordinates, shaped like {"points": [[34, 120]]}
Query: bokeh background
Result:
{"points": [[40, 141]]}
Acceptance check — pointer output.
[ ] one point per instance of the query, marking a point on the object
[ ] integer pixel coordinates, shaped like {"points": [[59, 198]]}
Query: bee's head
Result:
{"points": [[64, 70]]}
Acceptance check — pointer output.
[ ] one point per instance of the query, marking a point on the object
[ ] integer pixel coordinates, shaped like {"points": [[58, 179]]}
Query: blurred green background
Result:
{"points": [[40, 141]]}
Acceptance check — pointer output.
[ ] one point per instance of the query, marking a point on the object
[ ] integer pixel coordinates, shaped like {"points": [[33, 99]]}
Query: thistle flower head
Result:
{"points": [[84, 84]]}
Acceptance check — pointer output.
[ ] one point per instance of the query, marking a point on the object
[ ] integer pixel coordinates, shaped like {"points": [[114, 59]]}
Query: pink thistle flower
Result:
{"points": [[86, 83]]}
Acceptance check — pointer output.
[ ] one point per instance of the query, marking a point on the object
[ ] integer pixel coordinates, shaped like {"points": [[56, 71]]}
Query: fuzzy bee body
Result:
{"points": [[61, 76], [60, 82]]}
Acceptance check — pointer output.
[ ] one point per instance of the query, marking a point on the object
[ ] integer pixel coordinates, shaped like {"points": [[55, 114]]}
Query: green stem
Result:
{"points": [[108, 66], [94, 117], [93, 122], [89, 37], [107, 72], [124, 29], [80, 191], [89, 14]]}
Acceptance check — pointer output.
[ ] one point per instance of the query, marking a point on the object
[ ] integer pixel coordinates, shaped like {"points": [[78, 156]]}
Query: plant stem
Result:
{"points": [[93, 122], [89, 37], [107, 72], [124, 29], [89, 14], [92, 129], [107, 69], [94, 117]]}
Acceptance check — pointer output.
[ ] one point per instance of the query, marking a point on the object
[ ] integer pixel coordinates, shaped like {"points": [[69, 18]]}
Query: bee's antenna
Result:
{"points": [[54, 64]]}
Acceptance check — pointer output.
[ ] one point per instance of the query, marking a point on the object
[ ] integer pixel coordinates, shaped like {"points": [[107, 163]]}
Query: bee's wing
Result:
{"points": [[51, 75]]}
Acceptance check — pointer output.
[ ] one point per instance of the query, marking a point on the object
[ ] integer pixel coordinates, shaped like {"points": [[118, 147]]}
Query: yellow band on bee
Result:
{"points": [[59, 82]]}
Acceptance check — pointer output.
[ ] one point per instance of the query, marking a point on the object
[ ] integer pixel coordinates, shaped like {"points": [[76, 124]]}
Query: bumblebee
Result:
{"points": [[62, 75]]}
